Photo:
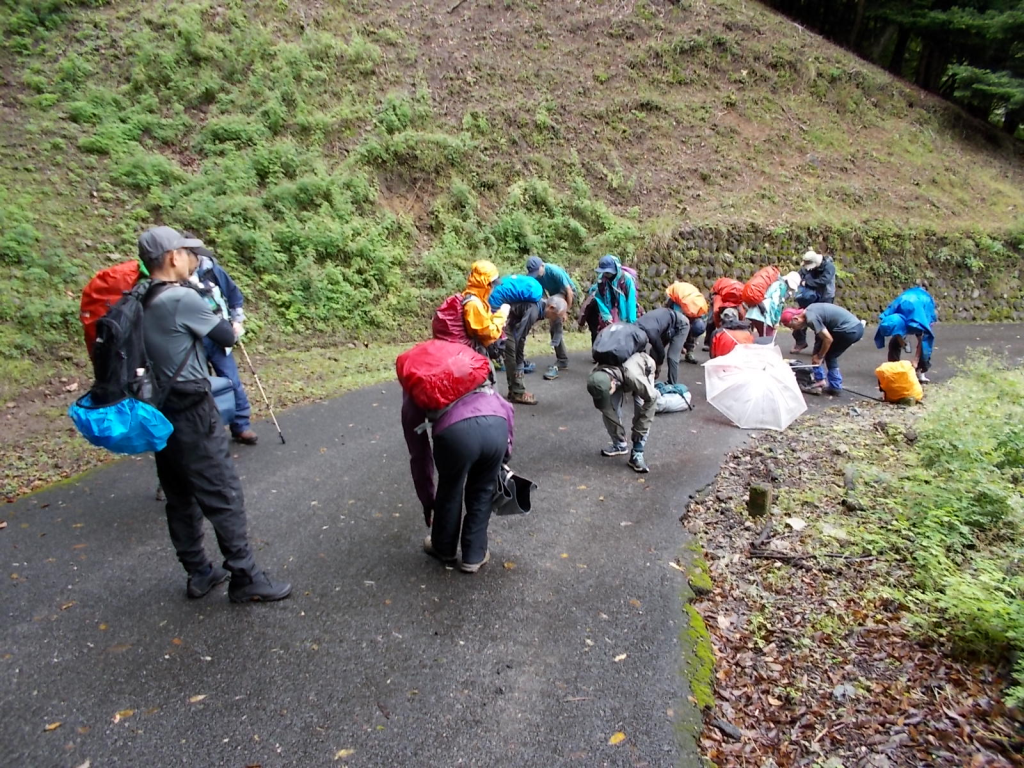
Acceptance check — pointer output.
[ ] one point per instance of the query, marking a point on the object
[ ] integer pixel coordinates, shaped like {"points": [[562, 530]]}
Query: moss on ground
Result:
{"points": [[699, 659]]}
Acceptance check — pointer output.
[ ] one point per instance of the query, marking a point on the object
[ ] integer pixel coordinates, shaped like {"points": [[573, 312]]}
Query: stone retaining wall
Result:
{"points": [[973, 277]]}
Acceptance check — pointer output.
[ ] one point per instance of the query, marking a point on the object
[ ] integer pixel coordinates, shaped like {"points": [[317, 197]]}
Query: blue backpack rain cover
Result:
{"points": [[128, 426], [514, 289]]}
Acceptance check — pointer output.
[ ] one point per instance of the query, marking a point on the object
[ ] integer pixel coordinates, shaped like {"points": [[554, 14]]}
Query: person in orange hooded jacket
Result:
{"points": [[482, 326]]}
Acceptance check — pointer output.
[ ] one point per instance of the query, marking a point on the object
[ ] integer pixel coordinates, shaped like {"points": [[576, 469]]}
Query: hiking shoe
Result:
{"points": [[202, 582], [636, 462], [690, 358], [499, 366], [529, 367], [923, 379], [522, 398], [257, 588], [706, 347], [563, 364], [474, 567], [160, 495], [798, 350], [428, 547], [833, 391], [551, 373], [615, 450], [248, 437]]}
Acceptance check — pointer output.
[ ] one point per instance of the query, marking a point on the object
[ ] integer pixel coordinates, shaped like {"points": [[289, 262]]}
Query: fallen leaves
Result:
{"points": [[617, 738], [343, 753], [620, 657], [124, 714], [197, 698], [52, 726], [509, 565], [816, 664]]}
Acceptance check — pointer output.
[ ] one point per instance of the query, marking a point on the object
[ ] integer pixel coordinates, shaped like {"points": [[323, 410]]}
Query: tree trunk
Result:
{"points": [[857, 22], [899, 52]]}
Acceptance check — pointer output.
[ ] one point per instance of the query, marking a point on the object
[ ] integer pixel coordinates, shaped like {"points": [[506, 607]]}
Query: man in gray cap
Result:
{"points": [[195, 469]]}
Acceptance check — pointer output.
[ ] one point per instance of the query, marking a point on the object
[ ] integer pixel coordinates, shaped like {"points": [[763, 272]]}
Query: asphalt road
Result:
{"points": [[381, 650]]}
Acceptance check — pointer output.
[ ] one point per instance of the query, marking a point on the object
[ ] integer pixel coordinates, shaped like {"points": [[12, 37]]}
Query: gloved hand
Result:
{"points": [[503, 310], [239, 330]]}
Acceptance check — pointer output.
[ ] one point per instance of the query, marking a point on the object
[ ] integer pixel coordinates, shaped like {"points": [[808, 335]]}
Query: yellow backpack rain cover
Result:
{"points": [[899, 380]]}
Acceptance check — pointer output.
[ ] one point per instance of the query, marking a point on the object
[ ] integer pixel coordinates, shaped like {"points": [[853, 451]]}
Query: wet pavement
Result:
{"points": [[382, 657]]}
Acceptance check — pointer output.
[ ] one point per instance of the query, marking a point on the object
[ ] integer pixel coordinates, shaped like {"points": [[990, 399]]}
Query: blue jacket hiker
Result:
{"points": [[226, 300]]}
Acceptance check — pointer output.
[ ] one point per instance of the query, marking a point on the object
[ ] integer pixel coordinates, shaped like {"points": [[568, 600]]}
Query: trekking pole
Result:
{"points": [[265, 400], [861, 394]]}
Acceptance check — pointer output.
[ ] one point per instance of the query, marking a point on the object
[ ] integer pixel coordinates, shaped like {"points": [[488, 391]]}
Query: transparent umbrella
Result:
{"points": [[754, 387]]}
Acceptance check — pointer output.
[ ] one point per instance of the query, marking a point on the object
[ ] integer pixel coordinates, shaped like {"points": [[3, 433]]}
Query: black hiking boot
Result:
{"points": [[257, 589], [201, 582]]}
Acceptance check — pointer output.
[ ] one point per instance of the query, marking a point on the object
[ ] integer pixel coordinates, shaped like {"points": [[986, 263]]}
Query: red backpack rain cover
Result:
{"points": [[437, 373], [102, 292], [448, 323], [726, 292], [758, 285], [725, 341]]}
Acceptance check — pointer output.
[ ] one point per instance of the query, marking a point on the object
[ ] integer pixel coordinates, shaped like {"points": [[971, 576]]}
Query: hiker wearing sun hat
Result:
{"points": [[817, 286]]}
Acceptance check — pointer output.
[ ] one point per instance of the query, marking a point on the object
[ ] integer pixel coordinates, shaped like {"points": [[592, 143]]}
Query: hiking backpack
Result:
{"points": [[898, 380], [725, 340], [101, 293], [515, 289], [757, 286], [449, 323], [689, 298], [119, 413], [618, 342], [436, 373]]}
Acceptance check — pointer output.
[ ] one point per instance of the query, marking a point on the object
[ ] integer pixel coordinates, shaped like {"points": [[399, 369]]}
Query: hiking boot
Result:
{"points": [[248, 437], [202, 582], [474, 567], [636, 462], [160, 495], [615, 449], [833, 391], [257, 588], [522, 398], [688, 357], [563, 365], [529, 367], [428, 547], [797, 349], [923, 379], [551, 373]]}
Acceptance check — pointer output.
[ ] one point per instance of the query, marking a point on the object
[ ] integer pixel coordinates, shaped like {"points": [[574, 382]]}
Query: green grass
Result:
{"points": [[955, 515]]}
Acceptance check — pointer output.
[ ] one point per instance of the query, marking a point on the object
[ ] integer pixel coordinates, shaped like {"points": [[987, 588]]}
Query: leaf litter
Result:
{"points": [[816, 663]]}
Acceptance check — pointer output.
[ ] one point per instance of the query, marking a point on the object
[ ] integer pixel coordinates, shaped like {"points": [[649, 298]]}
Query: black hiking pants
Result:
{"points": [[468, 455], [199, 480], [521, 318]]}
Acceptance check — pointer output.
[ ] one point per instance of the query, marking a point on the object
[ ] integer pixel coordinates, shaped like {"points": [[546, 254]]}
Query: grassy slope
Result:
{"points": [[349, 161]]}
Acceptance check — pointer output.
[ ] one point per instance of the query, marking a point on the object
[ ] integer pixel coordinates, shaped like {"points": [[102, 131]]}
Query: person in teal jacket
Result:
{"points": [[556, 282], [611, 299]]}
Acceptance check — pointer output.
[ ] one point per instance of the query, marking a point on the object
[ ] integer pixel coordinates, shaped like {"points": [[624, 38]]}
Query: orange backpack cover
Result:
{"points": [[102, 292], [758, 285], [899, 380], [725, 341], [689, 298]]}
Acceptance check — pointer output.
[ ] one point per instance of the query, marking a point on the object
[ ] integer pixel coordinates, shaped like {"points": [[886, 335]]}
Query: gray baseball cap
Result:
{"points": [[156, 241]]}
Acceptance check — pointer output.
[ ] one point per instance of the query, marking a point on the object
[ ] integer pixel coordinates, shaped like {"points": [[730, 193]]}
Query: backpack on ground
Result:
{"points": [[726, 340], [898, 381], [436, 373], [618, 342], [689, 299], [448, 323], [120, 411], [102, 292], [757, 286], [672, 398]]}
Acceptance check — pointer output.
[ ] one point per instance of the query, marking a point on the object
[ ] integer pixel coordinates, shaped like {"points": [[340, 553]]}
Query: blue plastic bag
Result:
{"points": [[128, 426]]}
